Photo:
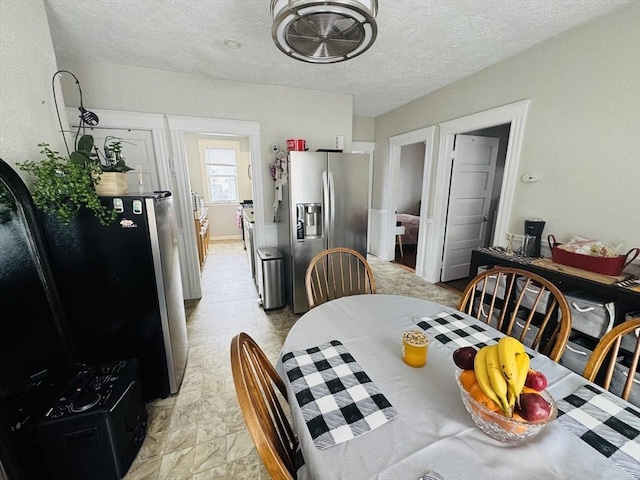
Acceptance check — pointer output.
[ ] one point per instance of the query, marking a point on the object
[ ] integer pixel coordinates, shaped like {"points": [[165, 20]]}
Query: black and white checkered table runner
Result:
{"points": [[606, 422], [337, 399], [454, 329]]}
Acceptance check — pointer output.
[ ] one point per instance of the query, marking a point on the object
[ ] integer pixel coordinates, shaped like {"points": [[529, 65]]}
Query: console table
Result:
{"points": [[626, 299]]}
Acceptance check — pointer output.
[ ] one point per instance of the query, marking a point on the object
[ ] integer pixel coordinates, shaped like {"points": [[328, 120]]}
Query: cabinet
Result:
{"points": [[202, 233], [595, 307], [625, 299], [249, 246]]}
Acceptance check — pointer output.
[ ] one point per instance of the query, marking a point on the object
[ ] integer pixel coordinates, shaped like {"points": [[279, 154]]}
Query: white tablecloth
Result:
{"points": [[433, 431]]}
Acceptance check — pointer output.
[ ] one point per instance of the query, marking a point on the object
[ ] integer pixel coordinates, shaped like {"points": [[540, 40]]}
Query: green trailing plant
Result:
{"points": [[61, 186]]}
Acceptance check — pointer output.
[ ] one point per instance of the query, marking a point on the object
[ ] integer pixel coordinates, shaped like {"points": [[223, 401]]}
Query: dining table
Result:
{"points": [[360, 412]]}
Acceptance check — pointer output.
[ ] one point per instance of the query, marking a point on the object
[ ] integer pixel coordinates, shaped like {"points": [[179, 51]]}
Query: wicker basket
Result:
{"points": [[605, 265]]}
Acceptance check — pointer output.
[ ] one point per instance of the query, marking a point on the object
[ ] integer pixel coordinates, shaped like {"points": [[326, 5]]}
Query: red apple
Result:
{"points": [[533, 408], [536, 380], [464, 356]]}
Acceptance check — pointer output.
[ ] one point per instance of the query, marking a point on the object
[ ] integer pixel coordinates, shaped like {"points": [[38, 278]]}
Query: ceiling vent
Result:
{"points": [[324, 31]]}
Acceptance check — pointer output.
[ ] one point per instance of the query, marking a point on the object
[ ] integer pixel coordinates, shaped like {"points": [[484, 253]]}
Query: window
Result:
{"points": [[221, 174]]}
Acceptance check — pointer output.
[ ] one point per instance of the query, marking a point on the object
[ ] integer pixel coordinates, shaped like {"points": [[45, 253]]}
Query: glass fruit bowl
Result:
{"points": [[499, 427]]}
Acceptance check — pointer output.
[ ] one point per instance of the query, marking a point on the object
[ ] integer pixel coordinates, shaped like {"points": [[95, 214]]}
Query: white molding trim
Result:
{"points": [[230, 127], [116, 119], [367, 147], [189, 255], [516, 115], [378, 225], [427, 136], [214, 125]]}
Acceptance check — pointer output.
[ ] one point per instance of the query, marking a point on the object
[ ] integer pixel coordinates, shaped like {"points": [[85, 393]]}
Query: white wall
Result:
{"points": [[27, 114], [364, 129], [283, 112], [410, 178], [582, 133]]}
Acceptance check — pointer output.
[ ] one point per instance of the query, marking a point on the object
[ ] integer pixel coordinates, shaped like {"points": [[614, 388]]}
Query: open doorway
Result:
{"points": [[223, 199], [409, 188], [419, 146]]}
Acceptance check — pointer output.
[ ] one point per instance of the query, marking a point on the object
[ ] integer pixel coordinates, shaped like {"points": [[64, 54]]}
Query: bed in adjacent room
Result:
{"points": [[411, 225]]}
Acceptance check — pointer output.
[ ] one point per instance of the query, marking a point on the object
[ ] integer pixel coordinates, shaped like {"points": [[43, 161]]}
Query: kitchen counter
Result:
{"points": [[247, 214], [247, 229]]}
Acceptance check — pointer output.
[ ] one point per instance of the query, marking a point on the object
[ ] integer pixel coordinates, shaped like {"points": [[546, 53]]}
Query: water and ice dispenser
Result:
{"points": [[309, 220]]}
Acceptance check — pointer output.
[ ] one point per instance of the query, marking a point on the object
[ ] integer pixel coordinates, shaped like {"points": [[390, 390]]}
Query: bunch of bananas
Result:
{"points": [[501, 371]]}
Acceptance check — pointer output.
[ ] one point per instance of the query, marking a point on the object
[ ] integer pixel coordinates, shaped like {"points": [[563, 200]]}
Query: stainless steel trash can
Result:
{"points": [[272, 264]]}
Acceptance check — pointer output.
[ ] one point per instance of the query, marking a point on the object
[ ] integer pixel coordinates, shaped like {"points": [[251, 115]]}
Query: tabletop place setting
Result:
{"points": [[361, 396], [390, 387]]}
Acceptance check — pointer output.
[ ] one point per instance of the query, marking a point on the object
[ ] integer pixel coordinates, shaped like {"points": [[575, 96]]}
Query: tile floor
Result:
{"points": [[199, 433]]}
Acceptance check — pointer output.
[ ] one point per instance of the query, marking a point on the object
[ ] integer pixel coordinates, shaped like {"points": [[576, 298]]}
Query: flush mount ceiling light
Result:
{"points": [[324, 31]]}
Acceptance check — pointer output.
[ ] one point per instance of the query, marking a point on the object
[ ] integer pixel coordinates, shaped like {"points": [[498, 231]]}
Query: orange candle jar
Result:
{"points": [[415, 345]]}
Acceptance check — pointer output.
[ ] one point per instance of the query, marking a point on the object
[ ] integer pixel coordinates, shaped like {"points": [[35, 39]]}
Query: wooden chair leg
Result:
{"points": [[399, 237]]}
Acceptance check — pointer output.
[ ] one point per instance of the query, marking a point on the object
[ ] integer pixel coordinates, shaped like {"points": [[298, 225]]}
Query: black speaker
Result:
{"points": [[95, 429]]}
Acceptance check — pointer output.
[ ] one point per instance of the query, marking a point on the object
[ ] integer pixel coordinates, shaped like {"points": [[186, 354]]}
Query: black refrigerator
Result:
{"points": [[121, 288]]}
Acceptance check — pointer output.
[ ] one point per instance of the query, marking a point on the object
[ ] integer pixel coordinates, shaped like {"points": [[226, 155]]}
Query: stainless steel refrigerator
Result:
{"points": [[121, 288], [325, 203]]}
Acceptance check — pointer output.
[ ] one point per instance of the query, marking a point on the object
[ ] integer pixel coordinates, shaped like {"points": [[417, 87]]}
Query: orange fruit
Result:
{"points": [[512, 427], [479, 396], [518, 417], [467, 379], [529, 390]]}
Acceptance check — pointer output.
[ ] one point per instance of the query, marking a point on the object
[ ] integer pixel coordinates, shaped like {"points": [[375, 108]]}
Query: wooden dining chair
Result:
{"points": [[520, 304], [625, 334], [263, 407], [337, 272]]}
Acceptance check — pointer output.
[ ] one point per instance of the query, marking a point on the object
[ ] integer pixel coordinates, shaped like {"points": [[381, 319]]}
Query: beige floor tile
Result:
{"points": [[239, 444], [181, 438], [153, 445], [210, 428], [177, 465], [147, 470], [245, 468], [216, 473], [210, 454], [159, 417]]}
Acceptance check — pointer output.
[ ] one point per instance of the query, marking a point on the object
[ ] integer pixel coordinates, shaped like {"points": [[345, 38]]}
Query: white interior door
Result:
{"points": [[472, 174], [138, 152]]}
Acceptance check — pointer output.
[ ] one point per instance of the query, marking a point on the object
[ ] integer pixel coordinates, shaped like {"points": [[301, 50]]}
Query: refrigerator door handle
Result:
{"points": [[326, 199], [332, 199]]}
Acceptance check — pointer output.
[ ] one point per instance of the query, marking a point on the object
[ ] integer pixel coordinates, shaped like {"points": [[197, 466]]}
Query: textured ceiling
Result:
{"points": [[422, 45]]}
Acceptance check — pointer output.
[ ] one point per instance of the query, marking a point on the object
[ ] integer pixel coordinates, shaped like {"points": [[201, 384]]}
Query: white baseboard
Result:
{"points": [[225, 237]]}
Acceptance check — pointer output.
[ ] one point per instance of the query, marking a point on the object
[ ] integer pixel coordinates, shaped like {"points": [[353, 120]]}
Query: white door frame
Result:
{"points": [[516, 115], [179, 125], [168, 137], [426, 136], [367, 147]]}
